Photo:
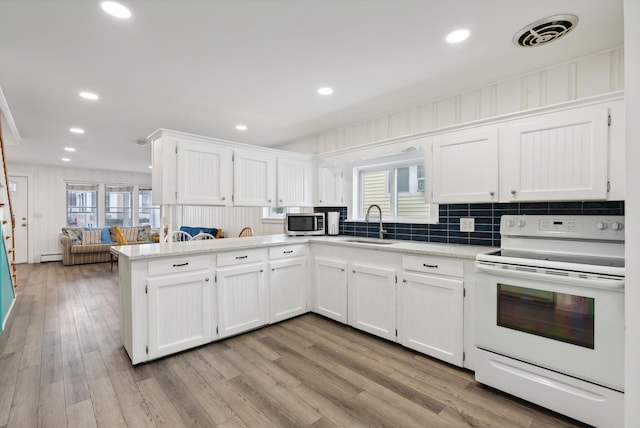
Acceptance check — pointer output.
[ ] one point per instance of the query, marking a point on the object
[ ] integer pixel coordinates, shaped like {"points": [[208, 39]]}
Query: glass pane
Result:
{"points": [[375, 190], [81, 208], [117, 206], [147, 212], [564, 317], [403, 180]]}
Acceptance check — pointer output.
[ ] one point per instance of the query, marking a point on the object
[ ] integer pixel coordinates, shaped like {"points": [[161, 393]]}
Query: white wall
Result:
{"points": [[230, 219], [47, 201], [584, 77], [632, 211]]}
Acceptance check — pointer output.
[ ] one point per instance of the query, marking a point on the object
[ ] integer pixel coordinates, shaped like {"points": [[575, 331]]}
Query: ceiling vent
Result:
{"points": [[545, 30]]}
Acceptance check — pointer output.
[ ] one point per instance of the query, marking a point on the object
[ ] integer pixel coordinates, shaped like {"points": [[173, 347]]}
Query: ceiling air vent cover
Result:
{"points": [[545, 30]]}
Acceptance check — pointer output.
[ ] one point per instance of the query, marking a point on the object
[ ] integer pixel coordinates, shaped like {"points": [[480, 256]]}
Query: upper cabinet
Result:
{"points": [[294, 182], [254, 178], [556, 156], [465, 166], [329, 187], [573, 154]]}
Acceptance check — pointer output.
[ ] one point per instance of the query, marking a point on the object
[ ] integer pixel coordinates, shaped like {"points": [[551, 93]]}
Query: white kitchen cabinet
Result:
{"points": [[180, 311], [288, 281], [556, 156], [372, 300], [190, 170], [242, 293], [329, 187], [431, 307], [465, 166], [331, 288], [254, 178], [294, 182]]}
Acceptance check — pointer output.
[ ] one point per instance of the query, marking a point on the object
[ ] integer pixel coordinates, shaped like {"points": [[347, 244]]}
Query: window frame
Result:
{"points": [[392, 163]]}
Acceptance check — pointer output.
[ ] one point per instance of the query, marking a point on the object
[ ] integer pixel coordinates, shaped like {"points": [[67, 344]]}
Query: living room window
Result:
{"points": [[82, 205], [147, 212], [118, 204]]}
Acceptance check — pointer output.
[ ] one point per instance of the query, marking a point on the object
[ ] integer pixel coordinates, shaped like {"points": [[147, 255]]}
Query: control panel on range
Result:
{"points": [[572, 227]]}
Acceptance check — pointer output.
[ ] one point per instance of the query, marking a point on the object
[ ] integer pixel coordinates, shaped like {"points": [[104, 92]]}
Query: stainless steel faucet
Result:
{"points": [[366, 218]]}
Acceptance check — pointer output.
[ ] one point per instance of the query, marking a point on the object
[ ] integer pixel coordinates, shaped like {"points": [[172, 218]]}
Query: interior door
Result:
{"points": [[19, 192]]}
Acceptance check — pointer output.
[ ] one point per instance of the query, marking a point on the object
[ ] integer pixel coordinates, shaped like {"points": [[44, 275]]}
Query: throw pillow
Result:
{"points": [[105, 236], [131, 233], [119, 235], [74, 234], [90, 237], [144, 233]]}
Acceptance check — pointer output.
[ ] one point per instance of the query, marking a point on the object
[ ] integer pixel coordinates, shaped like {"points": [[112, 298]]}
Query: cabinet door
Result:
{"points": [[331, 289], [204, 174], [288, 281], [254, 179], [559, 156], [465, 166], [372, 300], [330, 187], [242, 298], [431, 314], [179, 311], [294, 183]]}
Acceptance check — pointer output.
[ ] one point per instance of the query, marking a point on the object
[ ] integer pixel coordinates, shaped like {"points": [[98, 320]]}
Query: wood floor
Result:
{"points": [[61, 364]]}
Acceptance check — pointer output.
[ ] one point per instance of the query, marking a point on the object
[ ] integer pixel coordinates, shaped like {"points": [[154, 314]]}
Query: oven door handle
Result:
{"points": [[591, 281]]}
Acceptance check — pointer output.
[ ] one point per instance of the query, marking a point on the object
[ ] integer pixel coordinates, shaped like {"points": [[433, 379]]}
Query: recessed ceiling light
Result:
{"points": [[150, 166], [65, 160], [77, 130], [89, 95], [458, 36], [70, 149], [241, 127], [325, 91], [116, 9]]}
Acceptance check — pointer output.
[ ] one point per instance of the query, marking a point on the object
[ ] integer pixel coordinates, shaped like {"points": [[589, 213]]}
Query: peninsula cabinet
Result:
{"points": [[431, 297], [294, 182], [242, 293], [331, 288], [465, 166], [556, 156], [254, 178]]}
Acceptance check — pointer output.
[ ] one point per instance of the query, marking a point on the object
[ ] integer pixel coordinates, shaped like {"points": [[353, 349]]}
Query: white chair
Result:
{"points": [[202, 236], [178, 235]]}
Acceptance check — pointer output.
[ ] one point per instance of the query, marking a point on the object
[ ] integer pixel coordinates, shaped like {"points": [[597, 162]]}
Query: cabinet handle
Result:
{"points": [[404, 280], [430, 266], [287, 252], [353, 271], [224, 198], [280, 200], [492, 193], [269, 201], [206, 279], [241, 257], [320, 201], [513, 192], [180, 264], [341, 270], [273, 269], [261, 270]]}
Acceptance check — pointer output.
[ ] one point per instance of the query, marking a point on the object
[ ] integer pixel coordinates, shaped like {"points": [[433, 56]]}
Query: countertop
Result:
{"points": [[152, 251]]}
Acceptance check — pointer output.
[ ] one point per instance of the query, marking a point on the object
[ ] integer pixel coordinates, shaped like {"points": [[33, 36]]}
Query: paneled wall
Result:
{"points": [[230, 219], [581, 78], [47, 201]]}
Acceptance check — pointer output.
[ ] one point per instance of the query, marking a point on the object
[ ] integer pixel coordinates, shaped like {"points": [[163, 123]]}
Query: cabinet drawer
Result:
{"points": [[238, 257], [284, 251], [178, 264], [433, 265]]}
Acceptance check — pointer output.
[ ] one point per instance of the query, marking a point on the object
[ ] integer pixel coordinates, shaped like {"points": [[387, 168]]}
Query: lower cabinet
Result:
{"points": [[288, 282], [180, 312], [372, 300], [431, 313], [331, 289], [242, 298]]}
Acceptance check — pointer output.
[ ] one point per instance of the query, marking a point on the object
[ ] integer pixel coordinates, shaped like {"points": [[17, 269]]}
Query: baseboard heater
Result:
{"points": [[55, 257]]}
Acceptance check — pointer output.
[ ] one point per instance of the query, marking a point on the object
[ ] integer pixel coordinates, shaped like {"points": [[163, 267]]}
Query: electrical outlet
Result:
{"points": [[467, 224]]}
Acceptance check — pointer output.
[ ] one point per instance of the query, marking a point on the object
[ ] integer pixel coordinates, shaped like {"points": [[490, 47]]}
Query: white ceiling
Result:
{"points": [[203, 66]]}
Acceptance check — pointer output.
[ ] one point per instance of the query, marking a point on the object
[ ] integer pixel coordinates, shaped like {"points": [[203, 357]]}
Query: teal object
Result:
{"points": [[7, 294]]}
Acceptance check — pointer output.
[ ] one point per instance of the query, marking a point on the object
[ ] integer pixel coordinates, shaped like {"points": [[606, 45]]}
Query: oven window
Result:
{"points": [[557, 316]]}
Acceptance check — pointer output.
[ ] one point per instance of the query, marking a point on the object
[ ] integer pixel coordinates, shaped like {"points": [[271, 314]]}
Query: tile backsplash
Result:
{"points": [[486, 216]]}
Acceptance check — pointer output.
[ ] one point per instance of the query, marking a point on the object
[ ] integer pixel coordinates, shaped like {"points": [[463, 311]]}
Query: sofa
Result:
{"points": [[87, 245]]}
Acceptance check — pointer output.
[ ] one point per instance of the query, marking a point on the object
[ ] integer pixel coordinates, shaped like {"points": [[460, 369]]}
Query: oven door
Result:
{"points": [[570, 324]]}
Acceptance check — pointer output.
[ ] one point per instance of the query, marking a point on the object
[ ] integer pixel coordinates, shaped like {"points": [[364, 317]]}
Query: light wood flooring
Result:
{"points": [[61, 364]]}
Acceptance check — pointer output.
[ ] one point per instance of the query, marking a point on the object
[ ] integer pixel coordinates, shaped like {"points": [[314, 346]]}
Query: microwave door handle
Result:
{"points": [[590, 281]]}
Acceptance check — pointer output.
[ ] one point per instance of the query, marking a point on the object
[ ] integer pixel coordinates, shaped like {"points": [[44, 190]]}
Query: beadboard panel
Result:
{"points": [[47, 215], [230, 219], [584, 77]]}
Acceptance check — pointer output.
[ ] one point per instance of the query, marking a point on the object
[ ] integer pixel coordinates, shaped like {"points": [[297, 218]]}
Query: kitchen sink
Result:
{"points": [[371, 241]]}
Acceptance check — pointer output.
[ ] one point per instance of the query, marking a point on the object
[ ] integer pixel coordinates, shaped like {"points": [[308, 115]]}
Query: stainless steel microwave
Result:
{"points": [[304, 224]]}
